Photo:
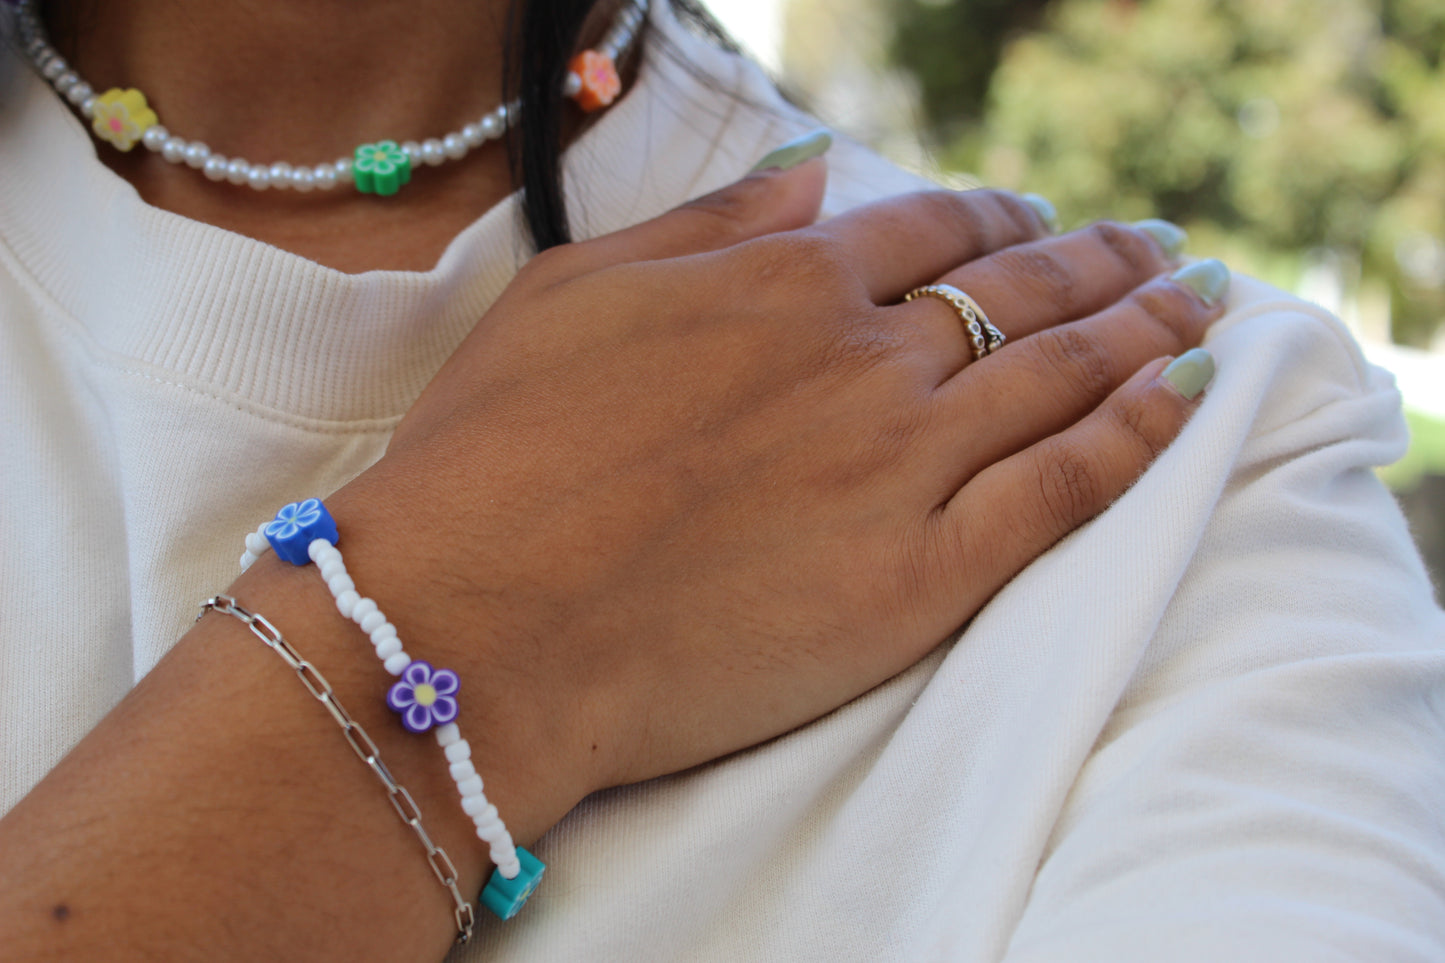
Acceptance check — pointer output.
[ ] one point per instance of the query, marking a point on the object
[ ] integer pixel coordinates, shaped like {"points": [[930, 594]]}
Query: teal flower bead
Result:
{"points": [[380, 168], [505, 896]]}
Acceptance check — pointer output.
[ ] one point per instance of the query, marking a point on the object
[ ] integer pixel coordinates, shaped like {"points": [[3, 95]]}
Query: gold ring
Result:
{"points": [[982, 335]]}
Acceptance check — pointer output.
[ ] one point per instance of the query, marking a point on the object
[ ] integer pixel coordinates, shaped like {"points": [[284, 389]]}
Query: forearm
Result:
{"points": [[217, 812]]}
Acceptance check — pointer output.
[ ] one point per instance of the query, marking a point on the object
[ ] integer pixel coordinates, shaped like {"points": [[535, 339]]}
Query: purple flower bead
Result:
{"points": [[424, 697]]}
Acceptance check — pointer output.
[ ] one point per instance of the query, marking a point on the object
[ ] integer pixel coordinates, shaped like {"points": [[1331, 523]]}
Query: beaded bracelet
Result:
{"points": [[425, 697], [361, 744]]}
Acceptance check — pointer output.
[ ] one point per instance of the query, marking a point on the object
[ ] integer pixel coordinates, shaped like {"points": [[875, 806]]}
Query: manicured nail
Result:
{"points": [[1190, 372], [1169, 237], [795, 151], [1208, 279], [1044, 209]]}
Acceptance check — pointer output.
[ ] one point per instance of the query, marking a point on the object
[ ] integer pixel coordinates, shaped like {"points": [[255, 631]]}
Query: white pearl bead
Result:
{"points": [[397, 664], [572, 86], [173, 150], [448, 734], [258, 177], [80, 93], [387, 648], [54, 67], [343, 170], [302, 180], [454, 146], [458, 751], [462, 771], [280, 173], [237, 170], [472, 135], [87, 106], [345, 601], [364, 608], [471, 786], [65, 82], [491, 126], [155, 137], [433, 154], [215, 169], [197, 154], [325, 175], [413, 150]]}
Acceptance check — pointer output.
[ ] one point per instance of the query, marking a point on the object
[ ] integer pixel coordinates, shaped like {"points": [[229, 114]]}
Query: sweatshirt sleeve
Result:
{"points": [[1271, 782]]}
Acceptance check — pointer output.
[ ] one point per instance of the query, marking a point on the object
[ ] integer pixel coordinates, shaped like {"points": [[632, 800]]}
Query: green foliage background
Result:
{"points": [[1273, 128]]}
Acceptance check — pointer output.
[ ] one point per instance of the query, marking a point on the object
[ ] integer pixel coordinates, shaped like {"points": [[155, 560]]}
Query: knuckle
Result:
{"points": [[1079, 359], [1046, 276], [962, 214], [1126, 245], [1138, 423], [1168, 308], [799, 259], [1069, 485], [1022, 222]]}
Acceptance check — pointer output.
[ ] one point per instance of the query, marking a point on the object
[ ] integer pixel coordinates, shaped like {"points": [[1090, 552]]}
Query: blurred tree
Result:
{"points": [[1295, 125]]}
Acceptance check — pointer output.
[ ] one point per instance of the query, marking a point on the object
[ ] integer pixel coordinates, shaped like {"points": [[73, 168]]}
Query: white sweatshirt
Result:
{"points": [[1208, 726]]}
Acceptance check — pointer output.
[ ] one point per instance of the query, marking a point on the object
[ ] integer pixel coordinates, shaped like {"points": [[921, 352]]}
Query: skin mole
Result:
{"points": [[61, 912]]}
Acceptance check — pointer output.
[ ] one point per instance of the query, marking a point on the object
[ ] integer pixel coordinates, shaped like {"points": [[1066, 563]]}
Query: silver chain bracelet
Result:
{"points": [[361, 744]]}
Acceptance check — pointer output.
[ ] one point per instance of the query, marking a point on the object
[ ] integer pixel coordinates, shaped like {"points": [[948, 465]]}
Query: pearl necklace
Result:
{"points": [[123, 118]]}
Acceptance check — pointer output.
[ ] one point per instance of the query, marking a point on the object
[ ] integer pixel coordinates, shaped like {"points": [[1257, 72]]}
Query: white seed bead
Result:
{"points": [[509, 868], [572, 86], [459, 750], [397, 664], [448, 735], [247, 560], [174, 150], [340, 584], [80, 93], [363, 608], [197, 154], [302, 180], [320, 550], [255, 544], [237, 170], [387, 648], [280, 173], [413, 150], [346, 601], [488, 824], [371, 621], [383, 632], [343, 170], [325, 175], [478, 808], [331, 568], [490, 833], [491, 126], [454, 146], [471, 786], [433, 154], [472, 135], [462, 771], [155, 137]]}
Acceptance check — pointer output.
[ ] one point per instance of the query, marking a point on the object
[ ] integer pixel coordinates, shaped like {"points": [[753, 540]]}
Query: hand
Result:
{"points": [[692, 485]]}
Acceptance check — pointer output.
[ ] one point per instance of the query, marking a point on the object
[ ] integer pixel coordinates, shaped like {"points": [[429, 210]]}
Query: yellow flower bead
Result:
{"points": [[121, 117]]}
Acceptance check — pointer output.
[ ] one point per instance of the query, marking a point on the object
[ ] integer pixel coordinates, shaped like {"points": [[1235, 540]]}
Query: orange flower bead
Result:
{"points": [[600, 83]]}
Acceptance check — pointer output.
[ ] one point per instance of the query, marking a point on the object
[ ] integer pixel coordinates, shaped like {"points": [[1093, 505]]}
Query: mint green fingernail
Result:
{"points": [[1208, 279], [795, 151], [1169, 237], [1044, 209], [1190, 372]]}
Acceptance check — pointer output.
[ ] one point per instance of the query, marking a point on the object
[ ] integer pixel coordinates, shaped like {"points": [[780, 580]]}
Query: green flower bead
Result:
{"points": [[380, 168]]}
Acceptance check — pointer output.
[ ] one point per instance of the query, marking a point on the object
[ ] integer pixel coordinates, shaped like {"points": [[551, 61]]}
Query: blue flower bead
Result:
{"points": [[505, 896], [297, 526]]}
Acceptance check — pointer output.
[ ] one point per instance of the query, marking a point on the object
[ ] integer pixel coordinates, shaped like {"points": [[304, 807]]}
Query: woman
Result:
{"points": [[686, 487]]}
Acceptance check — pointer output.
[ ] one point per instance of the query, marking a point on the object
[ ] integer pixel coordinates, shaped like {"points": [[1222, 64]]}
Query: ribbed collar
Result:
{"points": [[209, 308]]}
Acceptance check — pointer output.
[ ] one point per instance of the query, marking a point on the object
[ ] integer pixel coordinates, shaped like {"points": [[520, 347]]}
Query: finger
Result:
{"points": [[900, 243], [1051, 488], [1032, 287], [764, 202], [1036, 387]]}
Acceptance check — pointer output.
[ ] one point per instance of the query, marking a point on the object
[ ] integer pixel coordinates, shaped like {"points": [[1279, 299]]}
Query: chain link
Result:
{"points": [[362, 744]]}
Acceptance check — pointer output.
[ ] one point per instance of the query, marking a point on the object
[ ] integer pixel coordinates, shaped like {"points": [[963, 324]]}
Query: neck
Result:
{"points": [[305, 82]]}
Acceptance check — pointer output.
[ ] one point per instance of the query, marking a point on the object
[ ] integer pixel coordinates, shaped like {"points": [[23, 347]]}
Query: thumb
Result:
{"points": [[783, 193]]}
